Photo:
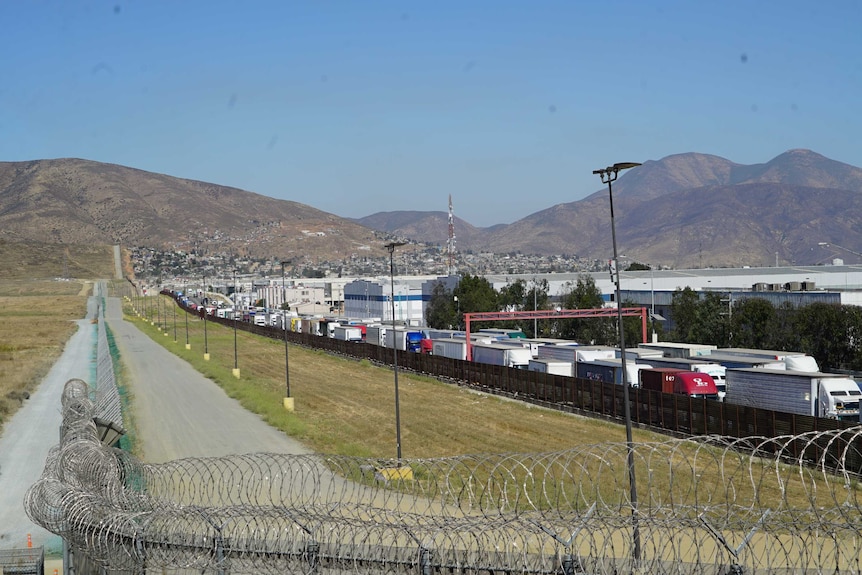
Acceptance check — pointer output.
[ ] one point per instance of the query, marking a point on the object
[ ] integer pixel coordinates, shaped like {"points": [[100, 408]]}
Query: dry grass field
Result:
{"points": [[38, 309]]}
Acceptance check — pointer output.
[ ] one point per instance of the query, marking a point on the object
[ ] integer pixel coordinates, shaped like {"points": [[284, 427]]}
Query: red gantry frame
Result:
{"points": [[553, 314]]}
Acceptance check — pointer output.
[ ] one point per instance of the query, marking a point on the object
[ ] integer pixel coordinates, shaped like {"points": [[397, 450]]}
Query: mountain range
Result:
{"points": [[684, 210]]}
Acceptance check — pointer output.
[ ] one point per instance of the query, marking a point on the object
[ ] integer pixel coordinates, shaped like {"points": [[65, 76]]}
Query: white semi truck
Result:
{"points": [[347, 333], [827, 395], [496, 354]]}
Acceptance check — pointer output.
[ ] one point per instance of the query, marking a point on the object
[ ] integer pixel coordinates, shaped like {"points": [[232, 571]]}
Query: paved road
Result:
{"points": [[33, 431], [179, 412]]}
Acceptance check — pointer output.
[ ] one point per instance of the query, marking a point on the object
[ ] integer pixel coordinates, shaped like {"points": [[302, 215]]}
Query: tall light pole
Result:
{"points": [[186, 310], [174, 310], [206, 340], [652, 296], [235, 310], [535, 309], [608, 176], [391, 247], [288, 401]]}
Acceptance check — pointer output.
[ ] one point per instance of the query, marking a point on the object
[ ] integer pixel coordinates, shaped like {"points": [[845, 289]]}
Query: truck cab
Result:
{"points": [[695, 384]]}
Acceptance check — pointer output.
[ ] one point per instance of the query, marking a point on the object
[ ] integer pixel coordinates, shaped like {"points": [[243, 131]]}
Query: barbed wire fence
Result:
{"points": [[708, 505]]}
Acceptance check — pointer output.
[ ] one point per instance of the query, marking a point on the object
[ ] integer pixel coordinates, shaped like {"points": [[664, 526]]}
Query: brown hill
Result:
{"points": [[430, 227], [74, 201]]}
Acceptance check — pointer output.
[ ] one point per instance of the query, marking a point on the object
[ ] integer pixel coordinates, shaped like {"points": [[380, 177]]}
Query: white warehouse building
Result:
{"points": [[373, 299]]}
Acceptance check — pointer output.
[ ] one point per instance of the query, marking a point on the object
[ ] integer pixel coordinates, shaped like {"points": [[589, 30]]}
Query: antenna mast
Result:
{"points": [[450, 243]]}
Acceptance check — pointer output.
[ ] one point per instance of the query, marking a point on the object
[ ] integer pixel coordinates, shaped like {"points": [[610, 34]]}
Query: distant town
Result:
{"points": [[413, 259]]}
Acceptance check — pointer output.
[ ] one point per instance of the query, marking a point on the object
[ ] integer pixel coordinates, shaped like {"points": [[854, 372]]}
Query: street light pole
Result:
{"points": [[535, 309], [288, 401], [174, 310], [608, 176], [186, 310], [652, 307], [206, 340], [235, 309], [391, 247]]}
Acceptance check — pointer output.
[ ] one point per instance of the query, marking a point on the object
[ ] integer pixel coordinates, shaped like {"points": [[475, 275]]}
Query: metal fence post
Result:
{"points": [[312, 553], [425, 561]]}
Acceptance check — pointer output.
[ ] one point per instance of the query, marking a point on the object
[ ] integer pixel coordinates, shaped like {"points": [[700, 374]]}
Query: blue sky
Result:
{"points": [[357, 107]]}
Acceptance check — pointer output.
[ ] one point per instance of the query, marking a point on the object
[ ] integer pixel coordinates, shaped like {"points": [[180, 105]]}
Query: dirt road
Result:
{"points": [[33, 431]]}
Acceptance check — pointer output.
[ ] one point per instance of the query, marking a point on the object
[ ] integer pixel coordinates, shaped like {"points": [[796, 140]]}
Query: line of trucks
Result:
{"points": [[783, 381], [789, 382]]}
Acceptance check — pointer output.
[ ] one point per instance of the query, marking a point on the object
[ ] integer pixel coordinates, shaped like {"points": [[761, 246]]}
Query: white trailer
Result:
{"points": [[593, 352], [432, 333], [675, 349], [521, 342], [375, 334], [505, 355], [793, 360], [635, 353], [450, 347], [610, 370], [826, 395], [347, 333], [743, 361], [560, 352], [553, 366]]}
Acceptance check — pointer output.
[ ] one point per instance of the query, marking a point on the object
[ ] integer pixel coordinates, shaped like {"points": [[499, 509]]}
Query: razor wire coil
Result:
{"points": [[707, 505]]}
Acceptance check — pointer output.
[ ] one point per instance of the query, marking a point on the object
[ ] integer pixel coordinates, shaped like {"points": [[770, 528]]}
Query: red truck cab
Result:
{"points": [[695, 384], [670, 380]]}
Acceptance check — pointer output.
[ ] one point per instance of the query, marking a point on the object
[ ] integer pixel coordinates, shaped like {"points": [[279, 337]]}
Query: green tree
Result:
{"points": [[752, 318], [441, 310], [683, 313], [537, 298], [475, 294], [516, 297], [637, 266], [830, 332], [585, 295], [784, 332], [512, 296], [712, 325]]}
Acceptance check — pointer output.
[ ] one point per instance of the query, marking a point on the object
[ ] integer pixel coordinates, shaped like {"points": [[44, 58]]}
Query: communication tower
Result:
{"points": [[450, 243]]}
